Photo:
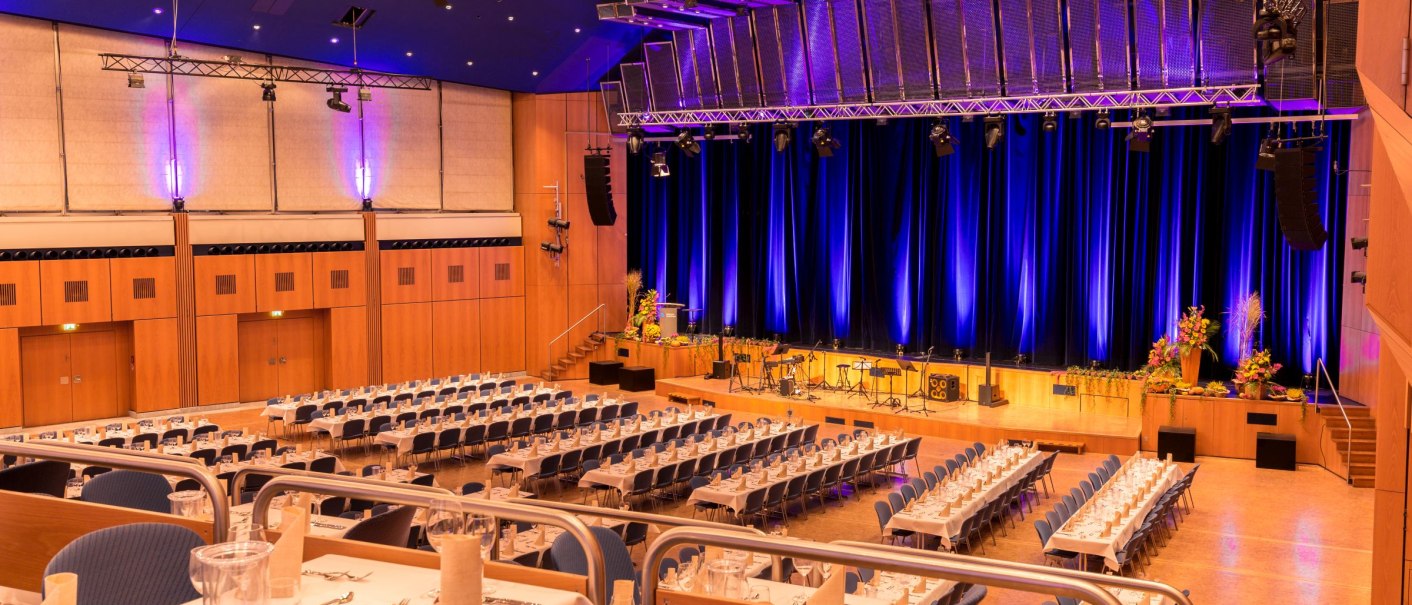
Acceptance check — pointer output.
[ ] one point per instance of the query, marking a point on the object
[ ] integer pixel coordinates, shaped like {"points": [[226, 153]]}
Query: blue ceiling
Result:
{"points": [[505, 52]]}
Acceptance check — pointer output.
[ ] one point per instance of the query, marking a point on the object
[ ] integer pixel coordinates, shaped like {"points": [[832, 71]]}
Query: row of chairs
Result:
{"points": [[150, 440]]}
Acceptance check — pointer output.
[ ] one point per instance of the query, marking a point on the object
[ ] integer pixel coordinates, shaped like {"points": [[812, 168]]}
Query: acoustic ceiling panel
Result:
{"points": [[914, 50], [1115, 65], [852, 65], [705, 69], [823, 52], [1290, 84], [662, 79], [950, 45], [1033, 59], [1227, 46], [1048, 46], [1341, 45], [880, 32], [747, 66], [1084, 53], [983, 63], [779, 44], [1178, 43], [613, 104], [723, 55], [635, 98], [1147, 39], [686, 65]]}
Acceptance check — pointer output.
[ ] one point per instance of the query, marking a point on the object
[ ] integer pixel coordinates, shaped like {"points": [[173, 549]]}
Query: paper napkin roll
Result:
{"points": [[287, 560], [61, 589], [461, 569], [539, 537], [903, 599], [831, 593]]}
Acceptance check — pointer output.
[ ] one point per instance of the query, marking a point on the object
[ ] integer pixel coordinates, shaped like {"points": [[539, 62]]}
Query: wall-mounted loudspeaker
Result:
{"points": [[599, 185]]}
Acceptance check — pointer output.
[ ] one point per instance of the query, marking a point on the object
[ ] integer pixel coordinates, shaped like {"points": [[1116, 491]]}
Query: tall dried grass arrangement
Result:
{"points": [[634, 285], [1247, 315]]}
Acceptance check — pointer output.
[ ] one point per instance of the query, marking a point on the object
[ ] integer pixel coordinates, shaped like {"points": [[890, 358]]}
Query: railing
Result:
{"points": [[1321, 369], [191, 468], [1146, 586], [549, 350], [973, 570], [403, 495]]}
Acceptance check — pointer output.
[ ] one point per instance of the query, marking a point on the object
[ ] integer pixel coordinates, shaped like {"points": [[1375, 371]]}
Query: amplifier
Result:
{"points": [[943, 387], [787, 387]]}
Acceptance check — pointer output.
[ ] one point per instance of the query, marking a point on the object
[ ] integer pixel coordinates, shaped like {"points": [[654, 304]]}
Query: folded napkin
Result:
{"points": [[461, 569], [903, 599], [61, 589], [539, 537], [287, 560], [831, 593]]}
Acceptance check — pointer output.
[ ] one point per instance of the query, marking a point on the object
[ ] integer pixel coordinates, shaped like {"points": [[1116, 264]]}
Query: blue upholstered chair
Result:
{"points": [[130, 489], [136, 564], [569, 557]]}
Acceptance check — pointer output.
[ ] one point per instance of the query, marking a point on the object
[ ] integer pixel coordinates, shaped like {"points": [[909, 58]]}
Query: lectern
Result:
{"points": [[667, 318]]}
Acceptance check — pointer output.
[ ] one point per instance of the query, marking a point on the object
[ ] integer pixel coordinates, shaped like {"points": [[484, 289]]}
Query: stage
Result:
{"points": [[964, 421]]}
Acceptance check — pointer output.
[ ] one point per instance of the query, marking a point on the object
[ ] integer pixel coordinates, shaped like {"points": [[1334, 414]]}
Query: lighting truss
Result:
{"points": [[253, 71], [1241, 94]]}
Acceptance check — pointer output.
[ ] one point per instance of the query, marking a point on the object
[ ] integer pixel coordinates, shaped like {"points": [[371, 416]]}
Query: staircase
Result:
{"points": [[1358, 448], [577, 354]]}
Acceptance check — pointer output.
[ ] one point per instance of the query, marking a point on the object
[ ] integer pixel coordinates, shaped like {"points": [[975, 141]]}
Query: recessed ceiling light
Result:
{"points": [[256, 27], [409, 53], [333, 40], [578, 30], [157, 10], [511, 17], [534, 73], [470, 63]]}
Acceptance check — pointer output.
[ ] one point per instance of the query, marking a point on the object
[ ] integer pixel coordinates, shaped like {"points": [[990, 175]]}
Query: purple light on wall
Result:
{"points": [[363, 180], [174, 178]]}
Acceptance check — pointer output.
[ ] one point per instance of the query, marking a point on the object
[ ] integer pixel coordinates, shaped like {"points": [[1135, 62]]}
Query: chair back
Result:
{"points": [[130, 489], [569, 557], [391, 528], [43, 477], [134, 564]]}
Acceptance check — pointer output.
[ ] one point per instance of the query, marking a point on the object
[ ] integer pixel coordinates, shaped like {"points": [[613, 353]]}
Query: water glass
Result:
{"points": [[187, 503], [726, 579], [444, 518], [232, 573]]}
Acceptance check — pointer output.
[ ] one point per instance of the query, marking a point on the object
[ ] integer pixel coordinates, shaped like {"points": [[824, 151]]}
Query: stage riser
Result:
{"points": [[1222, 428]]}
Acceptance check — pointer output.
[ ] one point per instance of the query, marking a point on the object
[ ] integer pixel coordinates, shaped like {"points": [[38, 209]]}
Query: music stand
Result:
{"points": [[921, 384], [735, 382], [863, 367], [889, 372]]}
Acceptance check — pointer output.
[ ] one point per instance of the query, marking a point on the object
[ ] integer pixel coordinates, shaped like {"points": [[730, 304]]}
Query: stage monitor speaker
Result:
{"points": [[1296, 198], [599, 183], [943, 387], [987, 396], [721, 370], [787, 387]]}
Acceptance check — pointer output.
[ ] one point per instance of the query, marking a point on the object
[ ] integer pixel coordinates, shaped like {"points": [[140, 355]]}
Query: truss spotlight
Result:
{"points": [[687, 143], [1220, 124], [708, 132], [941, 139], [742, 132], [994, 131], [1140, 138], [365, 94], [268, 91], [1103, 122], [823, 141], [446, 4], [1050, 122], [335, 102], [659, 165], [135, 80], [782, 136], [1266, 159], [635, 140]]}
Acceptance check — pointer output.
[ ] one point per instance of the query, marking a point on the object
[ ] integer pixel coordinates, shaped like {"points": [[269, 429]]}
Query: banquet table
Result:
{"points": [[933, 518], [1141, 481], [889, 586], [528, 460], [329, 526], [93, 434], [401, 438], [730, 494], [391, 583], [284, 410], [620, 476]]}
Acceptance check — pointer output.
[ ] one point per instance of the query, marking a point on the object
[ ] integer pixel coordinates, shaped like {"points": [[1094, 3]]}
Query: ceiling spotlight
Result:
{"points": [[578, 30], [365, 94], [333, 40], [994, 131], [782, 135], [1220, 124], [446, 4], [1049, 123], [823, 141], [335, 102], [255, 27], [268, 91], [687, 143], [1103, 122], [551, 247], [409, 53], [941, 139], [157, 10], [742, 132], [708, 132], [1266, 158], [558, 223], [659, 165], [135, 80], [635, 140], [1140, 138]]}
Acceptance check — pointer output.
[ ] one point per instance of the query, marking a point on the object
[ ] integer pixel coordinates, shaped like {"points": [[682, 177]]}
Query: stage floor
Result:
{"points": [[965, 421]]}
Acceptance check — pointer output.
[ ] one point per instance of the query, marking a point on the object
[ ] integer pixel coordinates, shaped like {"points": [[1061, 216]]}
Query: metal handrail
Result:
{"points": [[1320, 368], [1146, 586], [973, 570], [549, 350], [78, 453], [400, 494]]}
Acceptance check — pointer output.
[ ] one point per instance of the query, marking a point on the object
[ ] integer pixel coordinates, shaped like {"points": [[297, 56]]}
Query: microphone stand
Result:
{"points": [[809, 373], [926, 361]]}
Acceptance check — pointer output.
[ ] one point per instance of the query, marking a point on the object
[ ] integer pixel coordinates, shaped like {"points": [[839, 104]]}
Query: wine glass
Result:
{"points": [[196, 569], [483, 526], [444, 518], [804, 566]]}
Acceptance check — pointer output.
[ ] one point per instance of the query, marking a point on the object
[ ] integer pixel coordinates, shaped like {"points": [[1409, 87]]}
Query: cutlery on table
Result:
{"points": [[344, 598]]}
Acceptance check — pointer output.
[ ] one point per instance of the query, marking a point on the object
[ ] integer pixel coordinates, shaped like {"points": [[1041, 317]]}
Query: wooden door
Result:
{"points": [[299, 358], [259, 360], [48, 395], [93, 357]]}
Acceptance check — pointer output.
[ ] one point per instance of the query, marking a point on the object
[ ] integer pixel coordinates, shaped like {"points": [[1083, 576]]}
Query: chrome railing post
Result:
{"points": [[1347, 438]]}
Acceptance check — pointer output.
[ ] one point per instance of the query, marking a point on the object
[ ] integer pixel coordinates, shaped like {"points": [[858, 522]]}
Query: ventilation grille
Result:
{"points": [[456, 274], [144, 288], [284, 281], [7, 295], [225, 285], [76, 291], [406, 276], [502, 271], [338, 279]]}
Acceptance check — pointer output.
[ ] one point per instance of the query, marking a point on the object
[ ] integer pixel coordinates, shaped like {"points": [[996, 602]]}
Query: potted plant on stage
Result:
{"points": [[1255, 373], [1194, 334], [1162, 366]]}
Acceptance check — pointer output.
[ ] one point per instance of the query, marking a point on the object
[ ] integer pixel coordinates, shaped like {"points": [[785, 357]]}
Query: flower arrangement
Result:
{"points": [[1162, 357], [1255, 372], [1195, 331], [644, 320], [652, 332]]}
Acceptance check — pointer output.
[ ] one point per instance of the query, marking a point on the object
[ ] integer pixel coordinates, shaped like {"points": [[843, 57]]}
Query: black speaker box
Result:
{"points": [[1274, 450], [943, 387], [1180, 441], [721, 370], [599, 185], [1296, 198]]}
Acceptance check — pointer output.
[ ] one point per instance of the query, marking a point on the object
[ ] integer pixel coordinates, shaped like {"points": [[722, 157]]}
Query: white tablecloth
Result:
{"points": [[528, 462], [1083, 532], [620, 476], [890, 586], [127, 433], [928, 518], [285, 410], [402, 438], [727, 493]]}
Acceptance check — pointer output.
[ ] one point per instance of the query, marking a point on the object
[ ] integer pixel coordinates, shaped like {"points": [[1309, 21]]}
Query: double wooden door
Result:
{"points": [[279, 357], [69, 377]]}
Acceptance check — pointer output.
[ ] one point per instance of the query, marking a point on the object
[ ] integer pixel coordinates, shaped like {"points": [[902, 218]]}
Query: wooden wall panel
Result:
{"points": [[462, 264], [24, 276], [217, 359], [455, 337], [134, 297], [156, 384], [210, 301], [284, 282], [502, 329], [415, 267], [406, 342], [11, 399], [347, 289], [96, 306], [348, 347], [513, 282]]}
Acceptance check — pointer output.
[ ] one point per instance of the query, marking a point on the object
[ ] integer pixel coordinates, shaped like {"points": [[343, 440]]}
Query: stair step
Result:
{"points": [[1355, 456], [1339, 433], [1363, 482]]}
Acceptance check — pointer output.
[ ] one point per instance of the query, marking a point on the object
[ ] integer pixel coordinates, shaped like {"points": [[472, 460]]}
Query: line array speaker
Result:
{"points": [[1297, 196], [599, 184]]}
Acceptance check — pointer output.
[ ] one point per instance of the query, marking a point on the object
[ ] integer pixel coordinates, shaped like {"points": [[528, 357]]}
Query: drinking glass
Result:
{"points": [[232, 573], [483, 526], [804, 566], [760, 593], [444, 518]]}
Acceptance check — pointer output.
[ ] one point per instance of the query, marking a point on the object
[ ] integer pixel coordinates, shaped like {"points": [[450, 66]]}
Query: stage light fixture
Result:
{"points": [[267, 92], [1049, 123], [1140, 138], [1358, 243], [958, 354], [635, 140], [941, 139], [994, 131], [558, 223], [823, 141], [1358, 277], [178, 204], [335, 102], [551, 247], [687, 143], [367, 204], [742, 132], [708, 132], [1220, 124], [1266, 158], [446, 4], [1103, 122], [659, 165], [135, 80], [782, 136], [365, 94]]}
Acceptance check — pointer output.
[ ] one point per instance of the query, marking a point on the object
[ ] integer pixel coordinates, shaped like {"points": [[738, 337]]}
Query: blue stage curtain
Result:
{"points": [[1064, 245]]}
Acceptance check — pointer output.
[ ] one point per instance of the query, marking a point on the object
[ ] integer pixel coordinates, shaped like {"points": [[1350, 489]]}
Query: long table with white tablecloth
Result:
{"points": [[1128, 496], [941, 512], [733, 492]]}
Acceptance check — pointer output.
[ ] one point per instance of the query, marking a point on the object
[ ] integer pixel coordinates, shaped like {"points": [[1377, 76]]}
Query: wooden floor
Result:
{"points": [[1256, 536], [964, 421]]}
